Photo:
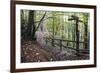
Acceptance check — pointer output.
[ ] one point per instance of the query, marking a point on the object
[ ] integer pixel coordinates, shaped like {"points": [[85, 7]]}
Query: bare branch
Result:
{"points": [[40, 21]]}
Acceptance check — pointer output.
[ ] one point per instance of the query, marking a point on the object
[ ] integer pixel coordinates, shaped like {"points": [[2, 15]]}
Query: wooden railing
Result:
{"points": [[61, 45]]}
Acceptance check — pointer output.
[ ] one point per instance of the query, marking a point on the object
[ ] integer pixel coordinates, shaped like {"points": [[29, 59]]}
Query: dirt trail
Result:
{"points": [[33, 52]]}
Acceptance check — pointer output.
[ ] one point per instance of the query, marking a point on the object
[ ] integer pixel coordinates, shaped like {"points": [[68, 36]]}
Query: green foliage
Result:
{"points": [[85, 17]]}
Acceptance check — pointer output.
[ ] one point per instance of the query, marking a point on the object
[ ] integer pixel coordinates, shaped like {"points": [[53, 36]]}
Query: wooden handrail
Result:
{"points": [[66, 40]]}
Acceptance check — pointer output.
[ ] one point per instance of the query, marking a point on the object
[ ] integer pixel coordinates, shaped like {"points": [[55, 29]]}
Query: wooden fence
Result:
{"points": [[59, 42]]}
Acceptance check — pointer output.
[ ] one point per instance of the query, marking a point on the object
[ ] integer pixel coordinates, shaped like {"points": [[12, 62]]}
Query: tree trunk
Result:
{"points": [[30, 24]]}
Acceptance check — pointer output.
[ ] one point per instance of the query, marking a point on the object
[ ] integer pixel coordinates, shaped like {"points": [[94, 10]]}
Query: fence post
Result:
{"points": [[52, 42], [46, 40], [77, 32], [77, 37], [60, 44]]}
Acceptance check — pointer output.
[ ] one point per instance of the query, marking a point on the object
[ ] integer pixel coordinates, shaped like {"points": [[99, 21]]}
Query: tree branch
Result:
{"points": [[40, 21]]}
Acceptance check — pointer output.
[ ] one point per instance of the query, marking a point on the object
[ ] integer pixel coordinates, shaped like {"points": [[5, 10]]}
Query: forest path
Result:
{"points": [[32, 52]]}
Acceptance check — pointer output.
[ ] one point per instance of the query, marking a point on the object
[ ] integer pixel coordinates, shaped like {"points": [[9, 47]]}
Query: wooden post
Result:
{"points": [[77, 32], [53, 33], [85, 36], [77, 37], [46, 40], [61, 45]]}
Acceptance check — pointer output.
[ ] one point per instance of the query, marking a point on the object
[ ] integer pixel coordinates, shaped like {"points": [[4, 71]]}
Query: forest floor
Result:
{"points": [[34, 52]]}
